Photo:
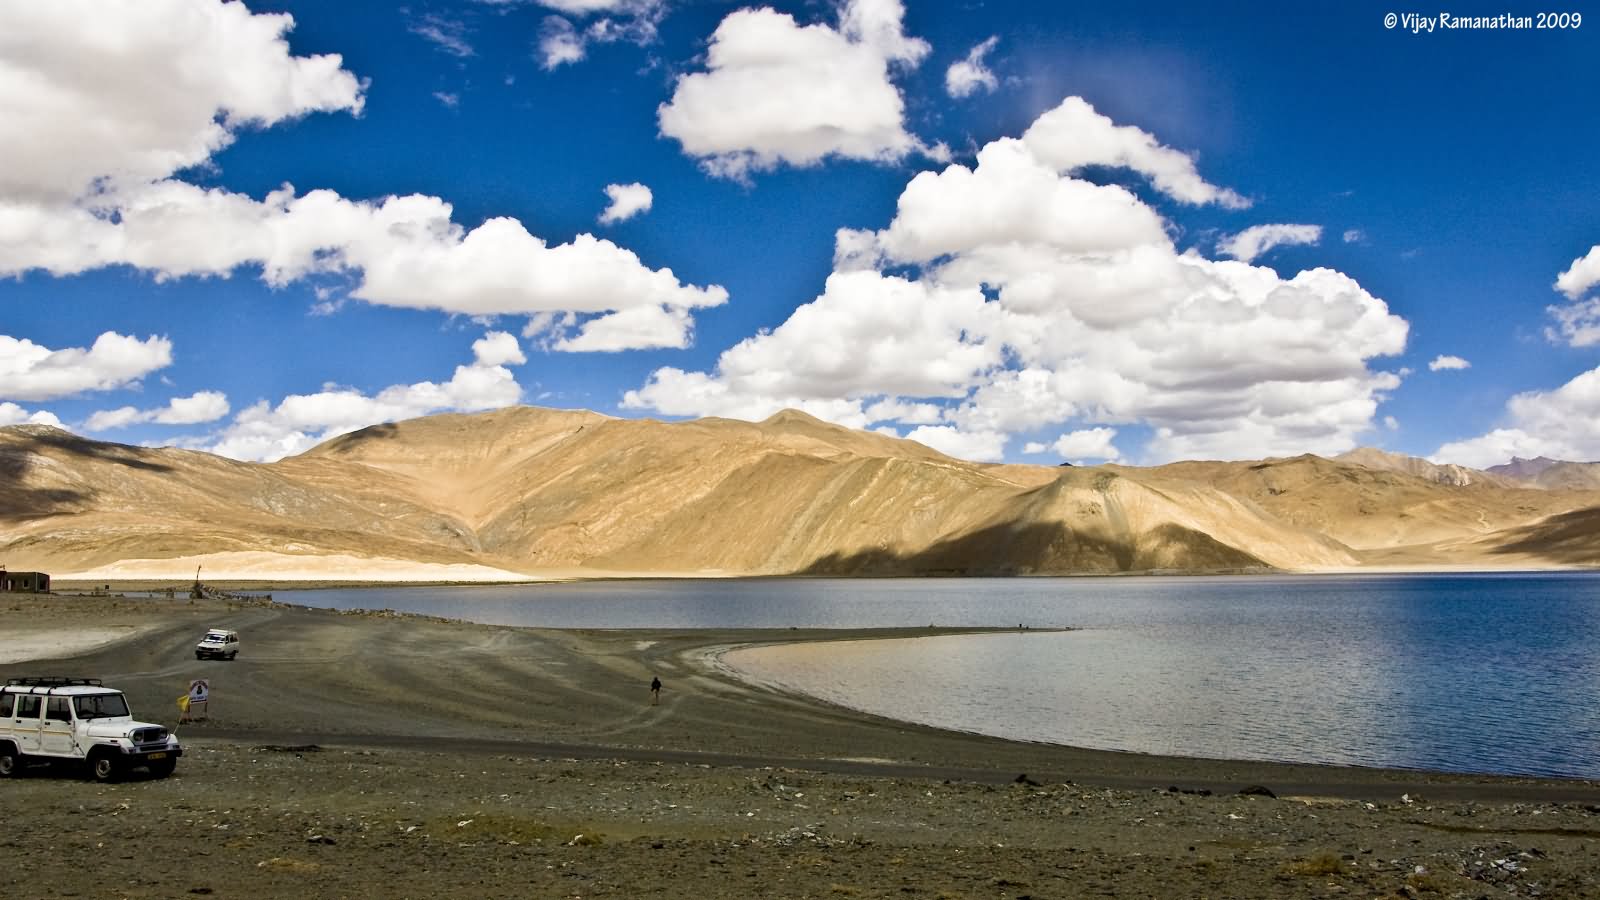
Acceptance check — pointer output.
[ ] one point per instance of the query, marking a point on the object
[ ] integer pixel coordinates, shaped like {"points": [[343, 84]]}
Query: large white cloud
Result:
{"points": [[1258, 239], [195, 409], [867, 334], [133, 90], [406, 250], [1012, 199], [102, 104], [1040, 299], [29, 371], [265, 432], [1561, 424], [777, 92]]}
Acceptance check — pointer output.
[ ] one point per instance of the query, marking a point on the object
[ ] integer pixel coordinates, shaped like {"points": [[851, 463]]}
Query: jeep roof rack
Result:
{"points": [[52, 681]]}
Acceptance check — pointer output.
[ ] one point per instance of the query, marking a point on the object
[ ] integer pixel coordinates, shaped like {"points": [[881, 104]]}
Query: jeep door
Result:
{"points": [[55, 736], [26, 722]]}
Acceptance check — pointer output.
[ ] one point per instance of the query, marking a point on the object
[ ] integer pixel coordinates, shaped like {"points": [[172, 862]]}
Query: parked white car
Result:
{"points": [[79, 719], [218, 644]]}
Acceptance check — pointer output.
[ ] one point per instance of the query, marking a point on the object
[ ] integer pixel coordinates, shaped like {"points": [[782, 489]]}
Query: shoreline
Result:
{"points": [[699, 650], [347, 753], [691, 655], [81, 586]]}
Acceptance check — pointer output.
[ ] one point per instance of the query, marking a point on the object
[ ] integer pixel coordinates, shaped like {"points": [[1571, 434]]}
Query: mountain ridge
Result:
{"points": [[531, 492]]}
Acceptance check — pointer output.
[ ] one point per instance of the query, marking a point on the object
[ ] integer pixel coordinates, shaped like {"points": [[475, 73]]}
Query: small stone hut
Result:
{"points": [[24, 582]]}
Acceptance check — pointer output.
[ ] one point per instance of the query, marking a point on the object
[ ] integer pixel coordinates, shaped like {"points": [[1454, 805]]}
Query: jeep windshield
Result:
{"points": [[214, 637], [101, 706]]}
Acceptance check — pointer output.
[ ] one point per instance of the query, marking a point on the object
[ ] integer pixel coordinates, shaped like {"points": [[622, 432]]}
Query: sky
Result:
{"points": [[1018, 232]]}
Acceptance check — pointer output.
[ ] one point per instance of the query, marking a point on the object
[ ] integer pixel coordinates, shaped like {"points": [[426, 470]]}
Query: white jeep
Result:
{"points": [[218, 644], [53, 719]]}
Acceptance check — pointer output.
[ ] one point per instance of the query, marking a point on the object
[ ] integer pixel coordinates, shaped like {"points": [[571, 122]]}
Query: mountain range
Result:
{"points": [[528, 492]]}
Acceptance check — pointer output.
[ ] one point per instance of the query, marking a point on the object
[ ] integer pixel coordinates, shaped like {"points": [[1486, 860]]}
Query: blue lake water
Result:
{"points": [[1470, 673]]}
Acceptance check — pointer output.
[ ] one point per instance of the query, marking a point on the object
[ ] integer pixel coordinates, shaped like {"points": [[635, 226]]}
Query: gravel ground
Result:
{"points": [[383, 756]]}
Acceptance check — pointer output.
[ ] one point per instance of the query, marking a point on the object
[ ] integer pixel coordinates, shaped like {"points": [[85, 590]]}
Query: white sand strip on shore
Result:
{"points": [[254, 565], [54, 643]]}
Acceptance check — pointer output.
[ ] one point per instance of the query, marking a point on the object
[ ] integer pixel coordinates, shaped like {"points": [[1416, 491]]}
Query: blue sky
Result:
{"points": [[1010, 230]]}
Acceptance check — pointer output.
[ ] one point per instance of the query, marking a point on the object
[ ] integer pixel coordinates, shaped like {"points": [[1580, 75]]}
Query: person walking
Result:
{"points": [[655, 691]]}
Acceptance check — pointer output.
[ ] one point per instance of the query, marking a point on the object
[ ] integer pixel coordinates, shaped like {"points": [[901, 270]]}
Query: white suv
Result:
{"points": [[46, 719], [218, 644]]}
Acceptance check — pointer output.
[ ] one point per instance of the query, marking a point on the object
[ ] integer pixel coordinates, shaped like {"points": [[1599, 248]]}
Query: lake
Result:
{"points": [[1468, 673]]}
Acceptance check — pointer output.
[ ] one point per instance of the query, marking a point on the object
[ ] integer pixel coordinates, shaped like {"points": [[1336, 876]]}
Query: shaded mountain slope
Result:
{"points": [[1368, 509]]}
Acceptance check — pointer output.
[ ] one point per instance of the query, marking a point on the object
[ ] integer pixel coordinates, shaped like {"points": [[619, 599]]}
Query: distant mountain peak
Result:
{"points": [[1542, 471], [1385, 460], [792, 416], [1522, 467]]}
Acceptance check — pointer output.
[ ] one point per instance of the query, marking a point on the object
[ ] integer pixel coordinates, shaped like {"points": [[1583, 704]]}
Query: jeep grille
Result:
{"points": [[149, 735]]}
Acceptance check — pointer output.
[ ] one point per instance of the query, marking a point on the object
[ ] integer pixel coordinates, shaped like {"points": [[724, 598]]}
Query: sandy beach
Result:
{"points": [[344, 752]]}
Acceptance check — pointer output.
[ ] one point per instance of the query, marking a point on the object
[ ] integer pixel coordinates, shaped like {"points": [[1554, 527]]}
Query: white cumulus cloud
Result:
{"points": [[1561, 424], [1583, 274], [1448, 362], [627, 201], [1258, 239], [1082, 446], [971, 75], [12, 414], [1578, 323], [1074, 135], [978, 446], [404, 251], [496, 348], [130, 91], [1013, 296], [88, 155], [777, 92], [29, 371], [198, 408], [265, 432], [560, 43]]}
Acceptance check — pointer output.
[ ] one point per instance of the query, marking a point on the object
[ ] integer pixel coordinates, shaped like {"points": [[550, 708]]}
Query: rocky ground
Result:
{"points": [[377, 756]]}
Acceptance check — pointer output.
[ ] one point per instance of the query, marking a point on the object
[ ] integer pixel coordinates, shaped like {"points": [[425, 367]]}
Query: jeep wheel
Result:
{"points": [[232, 655], [199, 655], [105, 767], [161, 768], [10, 762]]}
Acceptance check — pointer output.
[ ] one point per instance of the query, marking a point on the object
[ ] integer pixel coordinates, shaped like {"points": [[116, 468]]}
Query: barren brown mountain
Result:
{"points": [[1550, 473], [526, 491]]}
